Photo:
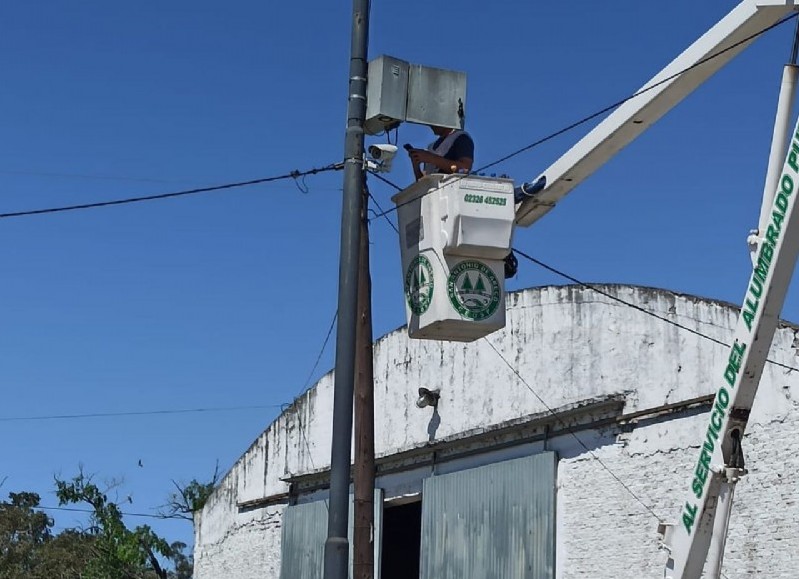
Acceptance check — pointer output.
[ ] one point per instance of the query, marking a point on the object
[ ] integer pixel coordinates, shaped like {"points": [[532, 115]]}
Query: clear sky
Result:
{"points": [[224, 299]]}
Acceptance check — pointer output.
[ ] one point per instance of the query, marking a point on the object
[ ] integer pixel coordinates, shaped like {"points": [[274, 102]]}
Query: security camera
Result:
{"points": [[383, 155], [382, 152]]}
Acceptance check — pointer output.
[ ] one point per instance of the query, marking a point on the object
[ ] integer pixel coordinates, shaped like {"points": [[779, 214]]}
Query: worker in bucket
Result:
{"points": [[452, 152]]}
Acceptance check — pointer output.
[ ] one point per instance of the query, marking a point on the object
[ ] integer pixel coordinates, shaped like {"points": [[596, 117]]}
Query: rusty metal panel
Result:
{"points": [[494, 521]]}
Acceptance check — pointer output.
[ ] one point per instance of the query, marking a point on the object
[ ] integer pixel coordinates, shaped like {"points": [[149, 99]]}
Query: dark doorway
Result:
{"points": [[402, 538]]}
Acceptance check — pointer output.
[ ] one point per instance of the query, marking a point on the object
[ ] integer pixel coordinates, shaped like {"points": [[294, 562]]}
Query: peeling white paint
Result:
{"points": [[569, 344]]}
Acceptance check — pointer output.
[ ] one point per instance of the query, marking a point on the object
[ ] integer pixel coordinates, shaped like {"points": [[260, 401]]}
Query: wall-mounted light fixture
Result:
{"points": [[428, 398]]}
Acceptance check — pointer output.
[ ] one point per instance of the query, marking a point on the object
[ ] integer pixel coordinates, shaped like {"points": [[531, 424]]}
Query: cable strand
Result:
{"points": [[635, 306], [585, 447], [645, 90], [607, 108], [137, 413], [159, 196]]}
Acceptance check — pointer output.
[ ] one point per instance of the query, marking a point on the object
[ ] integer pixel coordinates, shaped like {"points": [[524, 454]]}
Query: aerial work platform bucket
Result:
{"points": [[455, 232]]}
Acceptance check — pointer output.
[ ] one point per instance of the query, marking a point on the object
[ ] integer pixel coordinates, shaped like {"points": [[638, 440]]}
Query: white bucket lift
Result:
{"points": [[455, 232]]}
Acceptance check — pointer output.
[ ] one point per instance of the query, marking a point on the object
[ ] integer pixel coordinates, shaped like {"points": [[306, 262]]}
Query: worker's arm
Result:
{"points": [[415, 163], [444, 165]]}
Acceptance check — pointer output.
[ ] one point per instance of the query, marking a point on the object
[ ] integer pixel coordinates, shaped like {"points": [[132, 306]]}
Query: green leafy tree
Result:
{"points": [[184, 565], [30, 550], [65, 556], [23, 530], [117, 552], [105, 549]]}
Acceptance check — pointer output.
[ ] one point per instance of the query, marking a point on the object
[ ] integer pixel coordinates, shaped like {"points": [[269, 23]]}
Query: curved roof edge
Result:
{"points": [[605, 289]]}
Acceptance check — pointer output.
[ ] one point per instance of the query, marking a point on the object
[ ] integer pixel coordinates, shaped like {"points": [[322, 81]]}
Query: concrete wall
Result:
{"points": [[568, 344]]}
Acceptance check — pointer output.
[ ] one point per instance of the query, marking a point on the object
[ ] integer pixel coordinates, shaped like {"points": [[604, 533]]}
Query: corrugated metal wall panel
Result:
{"points": [[304, 536], [491, 522], [305, 533]]}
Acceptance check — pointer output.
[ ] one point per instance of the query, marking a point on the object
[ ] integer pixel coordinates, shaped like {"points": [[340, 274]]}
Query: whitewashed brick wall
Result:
{"points": [[569, 344]]}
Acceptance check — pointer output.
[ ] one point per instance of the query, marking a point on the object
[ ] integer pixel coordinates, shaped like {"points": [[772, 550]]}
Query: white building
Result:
{"points": [[557, 446]]}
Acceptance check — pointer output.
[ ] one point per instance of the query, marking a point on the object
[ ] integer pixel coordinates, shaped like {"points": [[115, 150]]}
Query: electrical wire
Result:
{"points": [[319, 356], [90, 511], [137, 413], [640, 92], [383, 213], [283, 407], [607, 108], [292, 175], [618, 299], [636, 306], [386, 217], [384, 180], [556, 414], [574, 280], [338, 166]]}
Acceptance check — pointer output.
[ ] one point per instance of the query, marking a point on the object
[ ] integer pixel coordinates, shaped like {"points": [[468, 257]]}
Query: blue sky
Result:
{"points": [[224, 299]]}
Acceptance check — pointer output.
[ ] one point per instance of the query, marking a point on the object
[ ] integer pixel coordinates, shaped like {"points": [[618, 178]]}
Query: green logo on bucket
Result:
{"points": [[419, 285], [473, 290]]}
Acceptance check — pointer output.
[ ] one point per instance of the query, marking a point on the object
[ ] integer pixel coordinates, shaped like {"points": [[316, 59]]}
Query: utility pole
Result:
{"points": [[337, 545], [364, 475]]}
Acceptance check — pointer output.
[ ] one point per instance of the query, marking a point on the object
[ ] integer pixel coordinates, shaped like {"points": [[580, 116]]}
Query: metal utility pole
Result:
{"points": [[337, 546], [364, 475]]}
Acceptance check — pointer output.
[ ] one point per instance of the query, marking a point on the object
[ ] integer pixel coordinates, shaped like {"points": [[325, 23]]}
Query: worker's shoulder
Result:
{"points": [[464, 145]]}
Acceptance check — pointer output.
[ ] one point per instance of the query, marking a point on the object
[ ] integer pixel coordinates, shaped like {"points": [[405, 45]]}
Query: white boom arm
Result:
{"points": [[705, 513], [716, 465], [637, 114]]}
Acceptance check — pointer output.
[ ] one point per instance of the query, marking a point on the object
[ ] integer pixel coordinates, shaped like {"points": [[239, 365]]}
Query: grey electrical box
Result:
{"points": [[436, 97], [398, 91], [386, 94]]}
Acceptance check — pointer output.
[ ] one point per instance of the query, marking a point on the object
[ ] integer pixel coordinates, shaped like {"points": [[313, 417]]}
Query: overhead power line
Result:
{"points": [[90, 511], [318, 356], [377, 204], [159, 196], [617, 104], [600, 112], [636, 306], [556, 414], [138, 413], [384, 180]]}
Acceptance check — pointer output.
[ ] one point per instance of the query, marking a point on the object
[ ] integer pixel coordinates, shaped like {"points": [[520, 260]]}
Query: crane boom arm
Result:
{"points": [[720, 461], [739, 380], [700, 61]]}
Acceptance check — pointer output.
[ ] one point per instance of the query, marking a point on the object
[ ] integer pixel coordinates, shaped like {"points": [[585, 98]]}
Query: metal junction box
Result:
{"points": [[435, 96], [455, 232], [398, 91], [386, 94]]}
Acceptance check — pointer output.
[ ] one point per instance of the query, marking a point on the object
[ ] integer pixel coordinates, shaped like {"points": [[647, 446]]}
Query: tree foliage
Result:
{"points": [[105, 549], [190, 498]]}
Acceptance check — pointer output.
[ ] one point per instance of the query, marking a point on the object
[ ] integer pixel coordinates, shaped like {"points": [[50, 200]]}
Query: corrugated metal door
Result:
{"points": [[305, 533], [491, 522]]}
